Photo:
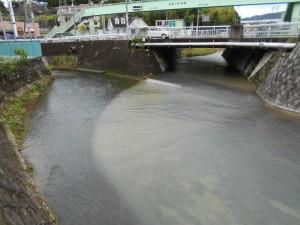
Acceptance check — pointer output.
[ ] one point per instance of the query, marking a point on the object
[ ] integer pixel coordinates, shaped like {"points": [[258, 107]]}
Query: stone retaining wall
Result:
{"points": [[20, 202], [282, 85], [276, 74], [29, 73]]}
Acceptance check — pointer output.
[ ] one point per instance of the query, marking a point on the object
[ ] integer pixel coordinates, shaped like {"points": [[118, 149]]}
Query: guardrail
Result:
{"points": [[32, 47], [260, 31], [120, 36], [192, 32], [275, 30]]}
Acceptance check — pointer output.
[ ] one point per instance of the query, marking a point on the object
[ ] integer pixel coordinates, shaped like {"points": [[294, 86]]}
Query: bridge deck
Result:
{"points": [[269, 45]]}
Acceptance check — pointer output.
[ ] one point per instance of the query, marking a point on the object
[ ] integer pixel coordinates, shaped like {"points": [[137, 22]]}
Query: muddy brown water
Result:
{"points": [[193, 146]]}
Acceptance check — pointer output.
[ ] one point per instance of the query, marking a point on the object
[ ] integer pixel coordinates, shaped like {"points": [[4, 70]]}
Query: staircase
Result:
{"points": [[66, 26]]}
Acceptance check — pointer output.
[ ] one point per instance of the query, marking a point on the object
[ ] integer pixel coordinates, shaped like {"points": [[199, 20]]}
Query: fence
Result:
{"points": [[276, 30], [32, 47], [191, 32]]}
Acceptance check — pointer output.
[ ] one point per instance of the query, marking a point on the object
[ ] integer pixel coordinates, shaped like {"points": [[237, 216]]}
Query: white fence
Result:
{"points": [[120, 36], [260, 31], [276, 30], [193, 32]]}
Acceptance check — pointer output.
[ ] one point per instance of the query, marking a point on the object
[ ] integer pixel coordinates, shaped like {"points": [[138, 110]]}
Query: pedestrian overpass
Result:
{"points": [[293, 12]]}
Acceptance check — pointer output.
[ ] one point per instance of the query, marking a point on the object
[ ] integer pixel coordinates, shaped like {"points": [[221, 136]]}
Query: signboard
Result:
{"points": [[171, 23], [205, 18]]}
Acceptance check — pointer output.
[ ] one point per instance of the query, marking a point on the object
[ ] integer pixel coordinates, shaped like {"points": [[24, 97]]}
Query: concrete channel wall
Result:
{"points": [[114, 56], [276, 74]]}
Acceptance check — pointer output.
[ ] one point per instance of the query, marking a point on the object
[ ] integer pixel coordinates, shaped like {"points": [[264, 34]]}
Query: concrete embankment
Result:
{"points": [[20, 201], [276, 74], [113, 56]]}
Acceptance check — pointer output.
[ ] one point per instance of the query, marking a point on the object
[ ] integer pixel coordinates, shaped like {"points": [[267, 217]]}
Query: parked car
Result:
{"points": [[158, 33]]}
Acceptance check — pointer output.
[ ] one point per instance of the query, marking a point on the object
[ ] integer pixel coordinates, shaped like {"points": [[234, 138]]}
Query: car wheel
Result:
{"points": [[163, 36]]}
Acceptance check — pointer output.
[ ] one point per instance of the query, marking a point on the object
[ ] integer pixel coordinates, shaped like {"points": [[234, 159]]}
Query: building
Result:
{"points": [[32, 30], [136, 25], [65, 12], [117, 24]]}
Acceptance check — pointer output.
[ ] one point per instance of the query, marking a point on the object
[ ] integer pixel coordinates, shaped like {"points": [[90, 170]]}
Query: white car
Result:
{"points": [[158, 33]]}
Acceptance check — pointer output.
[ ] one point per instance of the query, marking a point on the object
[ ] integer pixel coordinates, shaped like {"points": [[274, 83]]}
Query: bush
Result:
{"points": [[9, 66], [21, 53]]}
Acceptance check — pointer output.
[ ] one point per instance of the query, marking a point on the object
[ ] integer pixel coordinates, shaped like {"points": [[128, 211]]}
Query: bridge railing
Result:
{"points": [[120, 36], [276, 30], [63, 28], [193, 31]]}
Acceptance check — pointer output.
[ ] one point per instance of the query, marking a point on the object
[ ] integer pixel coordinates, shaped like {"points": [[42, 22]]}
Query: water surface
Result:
{"points": [[195, 147]]}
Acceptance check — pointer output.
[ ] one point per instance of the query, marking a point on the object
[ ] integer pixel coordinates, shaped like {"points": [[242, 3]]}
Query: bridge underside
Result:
{"points": [[218, 44]]}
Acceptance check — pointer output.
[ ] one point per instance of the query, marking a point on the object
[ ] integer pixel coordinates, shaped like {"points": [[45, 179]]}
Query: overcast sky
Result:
{"points": [[247, 11]]}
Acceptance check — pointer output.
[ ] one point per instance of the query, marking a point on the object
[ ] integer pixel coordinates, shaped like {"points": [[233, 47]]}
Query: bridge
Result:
{"points": [[255, 36], [158, 5]]}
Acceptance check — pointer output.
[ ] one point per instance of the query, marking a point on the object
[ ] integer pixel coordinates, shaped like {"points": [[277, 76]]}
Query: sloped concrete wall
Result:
{"points": [[33, 71], [115, 56], [20, 202], [282, 85], [276, 74]]}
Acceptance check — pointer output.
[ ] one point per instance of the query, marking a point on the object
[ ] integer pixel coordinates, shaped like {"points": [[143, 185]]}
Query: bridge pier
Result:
{"points": [[92, 25], [293, 12]]}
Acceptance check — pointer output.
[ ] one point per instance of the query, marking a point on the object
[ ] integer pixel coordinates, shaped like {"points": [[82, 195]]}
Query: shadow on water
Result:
{"points": [[58, 146], [211, 69]]}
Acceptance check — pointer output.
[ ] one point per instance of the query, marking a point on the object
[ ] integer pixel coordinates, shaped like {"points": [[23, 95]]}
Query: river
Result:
{"points": [[193, 146]]}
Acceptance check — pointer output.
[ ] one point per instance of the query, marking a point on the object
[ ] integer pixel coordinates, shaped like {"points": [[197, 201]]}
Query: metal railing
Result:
{"points": [[63, 28], [261, 31], [120, 36], [193, 31], [275, 30]]}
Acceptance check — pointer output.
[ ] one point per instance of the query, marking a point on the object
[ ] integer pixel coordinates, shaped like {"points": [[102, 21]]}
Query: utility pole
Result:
{"points": [[127, 23], [4, 31], [12, 17], [197, 29], [103, 19], [26, 17], [32, 22]]}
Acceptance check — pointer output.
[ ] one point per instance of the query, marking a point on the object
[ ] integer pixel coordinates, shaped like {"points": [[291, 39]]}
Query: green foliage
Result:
{"points": [[190, 52], [16, 111], [46, 18], [22, 53], [8, 66], [137, 40], [62, 62], [82, 28]]}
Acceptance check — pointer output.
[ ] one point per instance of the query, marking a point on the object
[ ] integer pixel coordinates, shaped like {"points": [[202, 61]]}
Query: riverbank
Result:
{"points": [[20, 200], [275, 74]]}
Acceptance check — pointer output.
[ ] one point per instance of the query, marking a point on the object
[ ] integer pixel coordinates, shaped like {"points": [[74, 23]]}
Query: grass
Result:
{"points": [[63, 61], [16, 110], [190, 52]]}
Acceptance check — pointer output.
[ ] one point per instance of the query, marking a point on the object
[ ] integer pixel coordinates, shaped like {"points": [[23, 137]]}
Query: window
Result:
{"points": [[123, 21], [117, 21]]}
